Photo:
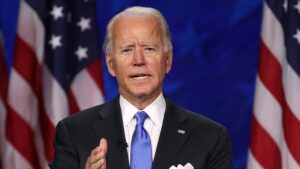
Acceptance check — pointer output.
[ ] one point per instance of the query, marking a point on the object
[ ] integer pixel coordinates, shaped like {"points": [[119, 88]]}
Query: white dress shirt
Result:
{"points": [[153, 123]]}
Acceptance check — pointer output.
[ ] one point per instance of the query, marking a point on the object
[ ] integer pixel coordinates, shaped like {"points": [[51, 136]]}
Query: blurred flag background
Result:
{"points": [[276, 119], [225, 53]]}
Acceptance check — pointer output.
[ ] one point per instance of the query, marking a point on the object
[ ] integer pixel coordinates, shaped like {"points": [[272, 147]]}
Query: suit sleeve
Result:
{"points": [[221, 157], [65, 156]]}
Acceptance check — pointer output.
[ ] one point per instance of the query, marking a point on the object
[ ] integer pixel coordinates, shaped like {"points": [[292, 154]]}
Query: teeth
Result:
{"points": [[140, 77]]}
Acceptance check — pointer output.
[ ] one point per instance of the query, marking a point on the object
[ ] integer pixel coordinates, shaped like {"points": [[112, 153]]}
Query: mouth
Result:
{"points": [[140, 76]]}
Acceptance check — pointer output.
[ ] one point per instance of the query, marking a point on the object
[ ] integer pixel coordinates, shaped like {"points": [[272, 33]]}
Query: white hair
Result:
{"points": [[137, 11]]}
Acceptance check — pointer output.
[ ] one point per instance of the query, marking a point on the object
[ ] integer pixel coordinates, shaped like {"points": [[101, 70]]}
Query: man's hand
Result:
{"points": [[97, 159]]}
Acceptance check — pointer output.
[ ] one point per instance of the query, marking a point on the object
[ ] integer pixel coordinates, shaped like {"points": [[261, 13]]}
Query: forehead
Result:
{"points": [[138, 27]]}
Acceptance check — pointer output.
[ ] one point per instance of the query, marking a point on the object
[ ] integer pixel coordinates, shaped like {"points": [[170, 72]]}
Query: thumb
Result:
{"points": [[103, 145]]}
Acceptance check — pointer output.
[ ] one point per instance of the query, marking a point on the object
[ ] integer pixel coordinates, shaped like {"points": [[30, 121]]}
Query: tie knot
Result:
{"points": [[141, 117]]}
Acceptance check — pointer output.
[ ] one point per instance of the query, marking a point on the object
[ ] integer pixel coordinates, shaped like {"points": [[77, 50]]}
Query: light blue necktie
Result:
{"points": [[141, 152]]}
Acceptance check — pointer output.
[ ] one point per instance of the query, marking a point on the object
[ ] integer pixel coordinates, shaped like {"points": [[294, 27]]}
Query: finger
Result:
{"points": [[95, 155], [103, 150], [103, 163], [97, 158], [87, 164], [100, 164], [95, 151], [103, 145], [97, 165]]}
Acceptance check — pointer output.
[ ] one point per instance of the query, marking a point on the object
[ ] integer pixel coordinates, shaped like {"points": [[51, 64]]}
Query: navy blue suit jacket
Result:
{"points": [[185, 137]]}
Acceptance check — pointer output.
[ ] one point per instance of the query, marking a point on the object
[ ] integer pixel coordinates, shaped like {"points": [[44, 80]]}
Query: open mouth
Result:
{"points": [[140, 76]]}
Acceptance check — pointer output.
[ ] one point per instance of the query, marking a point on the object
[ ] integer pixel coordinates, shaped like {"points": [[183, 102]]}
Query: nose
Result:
{"points": [[139, 57]]}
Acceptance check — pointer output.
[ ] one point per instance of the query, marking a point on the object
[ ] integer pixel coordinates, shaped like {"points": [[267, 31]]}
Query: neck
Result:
{"points": [[141, 102]]}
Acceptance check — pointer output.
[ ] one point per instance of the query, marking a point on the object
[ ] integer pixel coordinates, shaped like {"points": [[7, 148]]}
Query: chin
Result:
{"points": [[145, 94], [141, 94]]}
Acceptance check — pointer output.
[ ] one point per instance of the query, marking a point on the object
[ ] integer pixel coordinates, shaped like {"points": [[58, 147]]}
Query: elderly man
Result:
{"points": [[141, 128]]}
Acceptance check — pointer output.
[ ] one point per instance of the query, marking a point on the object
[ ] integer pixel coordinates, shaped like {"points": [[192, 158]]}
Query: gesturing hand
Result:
{"points": [[97, 159]]}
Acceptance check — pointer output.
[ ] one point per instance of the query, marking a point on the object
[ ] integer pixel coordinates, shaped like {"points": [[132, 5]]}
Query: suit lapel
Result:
{"points": [[172, 137], [110, 126]]}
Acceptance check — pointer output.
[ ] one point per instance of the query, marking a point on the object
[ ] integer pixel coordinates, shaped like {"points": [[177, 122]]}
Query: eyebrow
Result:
{"points": [[150, 44], [129, 45]]}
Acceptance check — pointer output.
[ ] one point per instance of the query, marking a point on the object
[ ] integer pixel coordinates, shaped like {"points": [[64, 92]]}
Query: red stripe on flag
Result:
{"points": [[3, 76], [3, 92], [95, 70], [270, 73], [264, 148], [26, 63], [21, 137], [73, 106], [48, 132]]}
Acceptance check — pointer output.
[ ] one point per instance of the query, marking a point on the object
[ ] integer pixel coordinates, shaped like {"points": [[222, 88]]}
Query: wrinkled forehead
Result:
{"points": [[146, 25]]}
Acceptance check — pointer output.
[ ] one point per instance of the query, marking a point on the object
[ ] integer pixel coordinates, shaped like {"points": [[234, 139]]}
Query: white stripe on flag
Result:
{"points": [[2, 128], [31, 30], [14, 160], [252, 162], [22, 99], [268, 114], [291, 84], [40, 147], [272, 34], [265, 106], [55, 99], [274, 40], [86, 91], [288, 161]]}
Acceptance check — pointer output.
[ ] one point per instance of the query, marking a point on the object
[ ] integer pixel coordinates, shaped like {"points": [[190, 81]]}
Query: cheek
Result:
{"points": [[120, 71], [164, 66]]}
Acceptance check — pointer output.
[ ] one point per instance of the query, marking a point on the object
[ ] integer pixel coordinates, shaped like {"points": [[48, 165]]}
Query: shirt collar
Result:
{"points": [[155, 110]]}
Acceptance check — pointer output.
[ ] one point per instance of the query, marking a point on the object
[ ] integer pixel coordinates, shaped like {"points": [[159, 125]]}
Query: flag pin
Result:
{"points": [[181, 131]]}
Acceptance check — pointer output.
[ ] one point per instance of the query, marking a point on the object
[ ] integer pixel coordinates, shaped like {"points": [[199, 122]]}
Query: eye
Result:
{"points": [[126, 50], [149, 49]]}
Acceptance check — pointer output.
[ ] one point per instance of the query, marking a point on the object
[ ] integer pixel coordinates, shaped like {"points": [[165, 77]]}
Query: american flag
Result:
{"points": [[3, 89], [56, 72], [275, 134]]}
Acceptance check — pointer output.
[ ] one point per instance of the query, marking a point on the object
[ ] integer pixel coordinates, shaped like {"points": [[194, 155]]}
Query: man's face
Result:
{"points": [[138, 60]]}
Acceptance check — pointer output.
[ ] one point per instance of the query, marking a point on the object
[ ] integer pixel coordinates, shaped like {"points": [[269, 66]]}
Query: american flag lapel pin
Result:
{"points": [[180, 131]]}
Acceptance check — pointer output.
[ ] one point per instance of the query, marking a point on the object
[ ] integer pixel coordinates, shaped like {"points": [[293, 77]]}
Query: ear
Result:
{"points": [[110, 64], [169, 61]]}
